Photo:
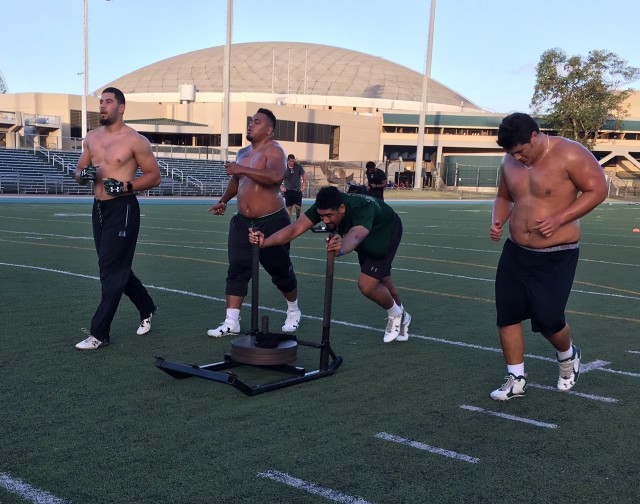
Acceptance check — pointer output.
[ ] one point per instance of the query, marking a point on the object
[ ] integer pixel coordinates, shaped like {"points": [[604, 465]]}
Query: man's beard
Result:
{"points": [[107, 121], [249, 137]]}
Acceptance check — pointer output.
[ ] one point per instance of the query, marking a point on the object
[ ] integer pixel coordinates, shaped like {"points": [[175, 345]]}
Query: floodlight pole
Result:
{"points": [[417, 182], [86, 69], [226, 85]]}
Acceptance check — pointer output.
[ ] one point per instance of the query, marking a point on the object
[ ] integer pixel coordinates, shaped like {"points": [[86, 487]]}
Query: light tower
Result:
{"points": [[4, 89]]}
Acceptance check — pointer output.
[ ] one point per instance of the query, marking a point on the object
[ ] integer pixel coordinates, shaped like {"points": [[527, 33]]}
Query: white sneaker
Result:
{"points": [[404, 328], [91, 343], [145, 325], [293, 320], [515, 386], [569, 371], [393, 328], [227, 327]]}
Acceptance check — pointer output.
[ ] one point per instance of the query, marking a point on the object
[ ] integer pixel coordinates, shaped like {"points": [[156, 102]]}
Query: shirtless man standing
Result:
{"points": [[110, 157], [546, 184], [256, 184]]}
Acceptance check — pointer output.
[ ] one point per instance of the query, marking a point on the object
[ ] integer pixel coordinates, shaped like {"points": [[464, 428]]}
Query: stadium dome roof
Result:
{"points": [[288, 68]]}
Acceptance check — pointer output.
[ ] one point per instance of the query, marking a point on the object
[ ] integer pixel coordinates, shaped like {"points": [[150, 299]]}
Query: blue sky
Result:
{"points": [[485, 50]]}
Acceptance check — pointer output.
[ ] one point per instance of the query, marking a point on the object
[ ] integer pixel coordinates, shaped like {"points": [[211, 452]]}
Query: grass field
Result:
{"points": [[397, 423]]}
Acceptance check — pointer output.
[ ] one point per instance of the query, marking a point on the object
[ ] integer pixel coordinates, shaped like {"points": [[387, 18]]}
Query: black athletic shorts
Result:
{"points": [[535, 284], [275, 260], [292, 198], [380, 268]]}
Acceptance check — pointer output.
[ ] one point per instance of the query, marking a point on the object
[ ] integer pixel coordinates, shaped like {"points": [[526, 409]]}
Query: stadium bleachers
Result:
{"points": [[21, 172], [25, 171], [209, 176]]}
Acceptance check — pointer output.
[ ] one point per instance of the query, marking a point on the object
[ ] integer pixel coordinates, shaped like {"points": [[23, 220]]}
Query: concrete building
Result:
{"points": [[333, 106]]}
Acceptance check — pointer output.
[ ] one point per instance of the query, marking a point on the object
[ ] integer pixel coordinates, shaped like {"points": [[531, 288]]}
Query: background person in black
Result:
{"points": [[293, 185], [376, 181], [367, 226]]}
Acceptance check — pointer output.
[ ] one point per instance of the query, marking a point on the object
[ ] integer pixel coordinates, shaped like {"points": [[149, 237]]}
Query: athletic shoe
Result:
{"points": [[227, 327], [145, 324], [569, 371], [404, 328], [293, 320], [515, 386], [393, 328], [91, 343]]}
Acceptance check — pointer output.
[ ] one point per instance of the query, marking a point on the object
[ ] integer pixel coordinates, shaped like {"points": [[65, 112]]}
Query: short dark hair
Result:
{"points": [[118, 94], [329, 198], [270, 115], [516, 129], [371, 165], [291, 156]]}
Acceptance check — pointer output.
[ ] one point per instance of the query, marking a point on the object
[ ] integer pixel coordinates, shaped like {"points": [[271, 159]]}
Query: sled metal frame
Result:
{"points": [[216, 371]]}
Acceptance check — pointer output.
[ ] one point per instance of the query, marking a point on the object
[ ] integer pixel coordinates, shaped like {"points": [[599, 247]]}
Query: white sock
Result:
{"points": [[233, 314], [565, 355], [292, 305], [516, 369], [394, 311]]}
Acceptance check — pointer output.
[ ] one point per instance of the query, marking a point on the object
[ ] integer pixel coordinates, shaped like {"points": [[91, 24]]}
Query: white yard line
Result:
{"points": [[513, 418], [428, 448], [26, 492], [311, 488]]}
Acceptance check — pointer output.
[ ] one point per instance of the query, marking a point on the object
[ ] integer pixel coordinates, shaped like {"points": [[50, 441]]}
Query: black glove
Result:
{"points": [[113, 187], [88, 172]]}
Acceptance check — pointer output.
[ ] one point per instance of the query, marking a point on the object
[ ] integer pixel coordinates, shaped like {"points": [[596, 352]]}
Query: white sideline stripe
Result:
{"points": [[574, 393], [426, 447], [598, 367], [586, 367], [36, 236], [26, 492], [606, 294], [50, 235], [209, 231], [633, 351], [311, 488], [509, 417], [625, 373]]}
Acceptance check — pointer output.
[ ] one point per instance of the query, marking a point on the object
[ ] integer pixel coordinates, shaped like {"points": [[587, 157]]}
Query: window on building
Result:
{"points": [[314, 133], [93, 122]]}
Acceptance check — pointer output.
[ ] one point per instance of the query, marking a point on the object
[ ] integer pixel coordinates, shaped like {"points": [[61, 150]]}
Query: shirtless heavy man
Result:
{"points": [[255, 182], [546, 184], [110, 157]]}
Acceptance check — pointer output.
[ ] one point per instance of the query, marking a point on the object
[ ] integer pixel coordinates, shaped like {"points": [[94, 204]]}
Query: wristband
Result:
{"points": [[129, 187], [340, 252], [222, 203]]}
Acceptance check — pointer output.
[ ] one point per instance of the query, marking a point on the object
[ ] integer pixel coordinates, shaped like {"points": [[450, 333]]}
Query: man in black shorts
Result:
{"points": [[255, 182], [293, 185], [367, 226], [546, 184]]}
